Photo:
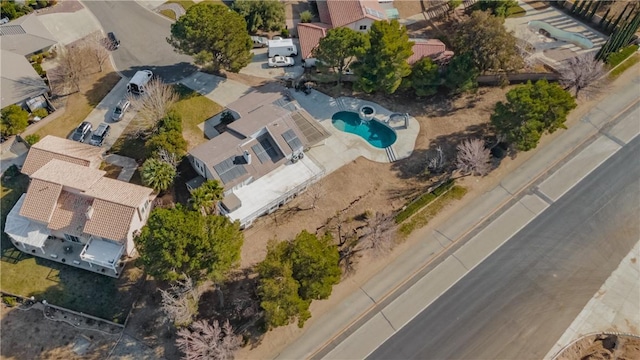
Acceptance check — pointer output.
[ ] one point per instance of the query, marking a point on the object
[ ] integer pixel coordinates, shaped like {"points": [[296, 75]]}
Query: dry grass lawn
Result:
{"points": [[194, 109]]}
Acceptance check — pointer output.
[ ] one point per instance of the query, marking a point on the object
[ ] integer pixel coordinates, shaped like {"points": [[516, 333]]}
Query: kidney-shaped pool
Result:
{"points": [[374, 132]]}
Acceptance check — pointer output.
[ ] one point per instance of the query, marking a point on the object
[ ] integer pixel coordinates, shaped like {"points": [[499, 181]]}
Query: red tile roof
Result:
{"points": [[425, 47], [310, 35], [345, 12]]}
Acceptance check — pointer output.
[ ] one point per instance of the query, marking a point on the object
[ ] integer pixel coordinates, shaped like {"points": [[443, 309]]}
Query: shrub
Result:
{"points": [[227, 118], [10, 300], [616, 58], [14, 120], [306, 16], [171, 122], [32, 139], [38, 68], [41, 113], [172, 141], [423, 201], [284, 33]]}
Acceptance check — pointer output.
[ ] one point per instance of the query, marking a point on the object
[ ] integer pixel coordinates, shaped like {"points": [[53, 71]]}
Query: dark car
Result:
{"points": [[98, 136], [113, 40], [81, 131]]}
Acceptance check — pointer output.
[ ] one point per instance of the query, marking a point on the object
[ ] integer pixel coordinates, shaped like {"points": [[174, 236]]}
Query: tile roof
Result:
{"points": [[323, 11], [345, 12], [109, 220], [425, 47], [310, 35], [257, 119], [119, 192], [69, 174], [25, 35], [40, 200], [266, 94], [70, 213], [52, 147]]}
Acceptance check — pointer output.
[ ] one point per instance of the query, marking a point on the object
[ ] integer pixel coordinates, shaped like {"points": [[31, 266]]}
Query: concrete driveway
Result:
{"points": [[259, 67], [143, 43], [68, 21], [222, 91], [102, 113]]}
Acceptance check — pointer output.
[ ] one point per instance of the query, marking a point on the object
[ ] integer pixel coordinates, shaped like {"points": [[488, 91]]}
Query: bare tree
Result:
{"points": [[473, 157], [582, 74], [180, 301], [314, 194], [95, 44], [378, 236], [73, 67], [202, 341], [437, 162], [168, 157], [156, 102]]}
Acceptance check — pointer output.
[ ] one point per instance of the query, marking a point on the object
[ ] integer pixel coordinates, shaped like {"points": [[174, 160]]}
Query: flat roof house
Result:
{"points": [[259, 159], [72, 213]]}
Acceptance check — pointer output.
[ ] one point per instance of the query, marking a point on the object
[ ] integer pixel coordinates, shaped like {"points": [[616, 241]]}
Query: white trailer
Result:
{"points": [[283, 47], [138, 82]]}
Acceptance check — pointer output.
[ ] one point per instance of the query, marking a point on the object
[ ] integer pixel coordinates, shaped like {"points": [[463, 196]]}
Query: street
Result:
{"points": [[142, 36], [520, 300]]}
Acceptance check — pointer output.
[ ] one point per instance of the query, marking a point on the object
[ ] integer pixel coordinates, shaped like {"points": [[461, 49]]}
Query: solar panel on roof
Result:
{"points": [[261, 153], [292, 140], [230, 169]]}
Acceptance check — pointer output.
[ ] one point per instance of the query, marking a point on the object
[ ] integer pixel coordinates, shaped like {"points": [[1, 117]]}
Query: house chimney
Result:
{"points": [[247, 157]]}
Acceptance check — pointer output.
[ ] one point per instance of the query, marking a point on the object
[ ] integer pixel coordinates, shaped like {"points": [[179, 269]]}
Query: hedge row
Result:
{"points": [[423, 201], [616, 58]]}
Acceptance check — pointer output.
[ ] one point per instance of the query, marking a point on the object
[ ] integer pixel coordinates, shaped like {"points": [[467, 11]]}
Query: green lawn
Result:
{"points": [[629, 62], [60, 284], [425, 215], [194, 109], [516, 12]]}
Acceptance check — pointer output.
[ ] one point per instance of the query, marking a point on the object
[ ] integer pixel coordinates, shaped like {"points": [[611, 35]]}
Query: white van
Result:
{"points": [[138, 82], [283, 47]]}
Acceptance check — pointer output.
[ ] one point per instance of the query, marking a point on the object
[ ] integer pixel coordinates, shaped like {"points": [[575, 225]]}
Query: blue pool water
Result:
{"points": [[375, 133]]}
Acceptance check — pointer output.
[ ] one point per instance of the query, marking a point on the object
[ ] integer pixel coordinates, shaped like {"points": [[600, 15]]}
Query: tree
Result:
{"points": [[171, 122], [314, 194], [425, 77], [73, 66], [96, 50], [278, 290], [314, 262], [491, 46], [473, 157], [157, 174], [531, 110], [498, 7], [620, 38], [202, 341], [206, 197], [180, 301], [582, 74], [265, 15], [14, 120], [384, 63], [339, 49], [156, 103], [306, 16], [214, 35], [171, 141], [379, 234], [178, 241], [461, 74]]}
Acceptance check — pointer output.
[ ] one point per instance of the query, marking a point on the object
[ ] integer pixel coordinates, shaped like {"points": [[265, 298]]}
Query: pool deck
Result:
{"points": [[342, 148]]}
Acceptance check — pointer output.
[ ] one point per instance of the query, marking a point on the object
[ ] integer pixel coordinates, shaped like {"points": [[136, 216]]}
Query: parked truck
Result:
{"points": [[137, 84], [282, 47]]}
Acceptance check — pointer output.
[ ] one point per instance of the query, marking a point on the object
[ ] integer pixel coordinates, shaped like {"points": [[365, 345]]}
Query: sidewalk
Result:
{"points": [[334, 326], [614, 308]]}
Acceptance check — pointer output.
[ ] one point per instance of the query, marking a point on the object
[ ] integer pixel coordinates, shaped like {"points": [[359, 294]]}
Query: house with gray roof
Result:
{"points": [[20, 38], [259, 159]]}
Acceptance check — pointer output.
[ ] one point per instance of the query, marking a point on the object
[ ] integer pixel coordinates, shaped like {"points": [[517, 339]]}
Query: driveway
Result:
{"points": [[68, 21], [102, 113], [222, 91], [143, 43], [259, 67]]}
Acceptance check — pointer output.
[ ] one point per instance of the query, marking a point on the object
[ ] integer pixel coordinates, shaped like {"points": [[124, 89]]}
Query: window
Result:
{"points": [[71, 238], [363, 27], [145, 206]]}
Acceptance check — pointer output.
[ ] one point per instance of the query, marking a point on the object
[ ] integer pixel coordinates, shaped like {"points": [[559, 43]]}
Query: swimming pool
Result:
{"points": [[374, 132]]}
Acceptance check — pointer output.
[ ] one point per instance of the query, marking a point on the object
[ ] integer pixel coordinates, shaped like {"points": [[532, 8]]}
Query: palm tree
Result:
{"points": [[206, 197], [157, 174]]}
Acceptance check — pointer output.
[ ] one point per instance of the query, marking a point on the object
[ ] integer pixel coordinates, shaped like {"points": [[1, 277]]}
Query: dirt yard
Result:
{"points": [[603, 347]]}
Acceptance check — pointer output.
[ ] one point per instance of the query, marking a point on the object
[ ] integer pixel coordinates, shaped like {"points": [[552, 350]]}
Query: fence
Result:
{"points": [[517, 78]]}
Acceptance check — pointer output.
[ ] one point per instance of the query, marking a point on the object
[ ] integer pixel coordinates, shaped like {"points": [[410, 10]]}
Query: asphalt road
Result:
{"points": [[142, 36], [520, 300]]}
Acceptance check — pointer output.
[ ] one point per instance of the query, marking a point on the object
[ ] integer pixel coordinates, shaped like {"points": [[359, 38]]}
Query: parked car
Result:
{"points": [[98, 136], [81, 131], [113, 40], [281, 61], [277, 38], [259, 41], [120, 109]]}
